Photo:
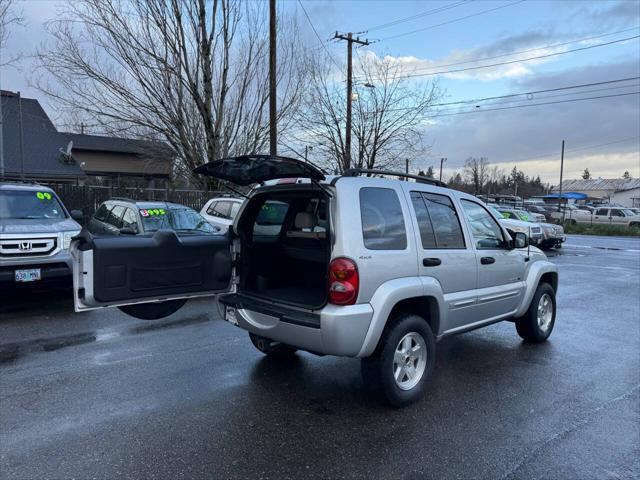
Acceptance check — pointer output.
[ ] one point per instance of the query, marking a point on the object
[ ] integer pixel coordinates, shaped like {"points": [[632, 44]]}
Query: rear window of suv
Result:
{"points": [[382, 219]]}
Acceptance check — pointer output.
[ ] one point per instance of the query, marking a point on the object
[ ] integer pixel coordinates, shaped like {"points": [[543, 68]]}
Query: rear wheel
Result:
{"points": [[271, 348], [403, 361], [537, 323]]}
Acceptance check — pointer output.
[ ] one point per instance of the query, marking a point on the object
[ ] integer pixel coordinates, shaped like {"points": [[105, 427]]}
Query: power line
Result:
{"points": [[322, 43], [411, 75], [535, 104], [482, 12], [587, 147], [582, 92], [532, 92], [413, 17], [528, 50]]}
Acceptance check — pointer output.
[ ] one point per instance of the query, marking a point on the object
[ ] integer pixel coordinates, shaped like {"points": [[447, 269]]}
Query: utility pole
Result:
{"points": [[21, 137], [406, 168], [273, 119], [350, 41], [442, 160], [1, 139], [561, 171]]}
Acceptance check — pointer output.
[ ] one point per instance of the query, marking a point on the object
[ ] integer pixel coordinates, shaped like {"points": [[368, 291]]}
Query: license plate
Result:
{"points": [[230, 316], [30, 275]]}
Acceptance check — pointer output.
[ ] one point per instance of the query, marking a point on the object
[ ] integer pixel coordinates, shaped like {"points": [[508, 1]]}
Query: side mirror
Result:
{"points": [[77, 215], [520, 240], [128, 231]]}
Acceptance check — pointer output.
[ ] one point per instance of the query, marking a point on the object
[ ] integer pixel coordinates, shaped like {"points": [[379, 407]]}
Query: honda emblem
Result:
{"points": [[25, 246]]}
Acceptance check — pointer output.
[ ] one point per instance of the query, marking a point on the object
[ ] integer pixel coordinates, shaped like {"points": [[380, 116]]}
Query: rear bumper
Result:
{"points": [[333, 330]]}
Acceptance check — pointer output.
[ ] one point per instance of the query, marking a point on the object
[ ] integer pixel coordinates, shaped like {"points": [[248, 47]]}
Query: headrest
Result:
{"points": [[305, 220]]}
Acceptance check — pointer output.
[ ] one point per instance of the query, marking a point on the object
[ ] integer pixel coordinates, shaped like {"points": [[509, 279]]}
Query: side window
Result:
{"points": [[437, 220], [382, 219], [101, 213], [129, 220], [616, 213], [270, 218], [211, 207], [220, 209], [602, 211], [115, 216], [486, 232]]}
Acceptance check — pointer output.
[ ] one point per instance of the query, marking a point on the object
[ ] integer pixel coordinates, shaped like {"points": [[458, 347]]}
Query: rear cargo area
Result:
{"points": [[285, 246]]}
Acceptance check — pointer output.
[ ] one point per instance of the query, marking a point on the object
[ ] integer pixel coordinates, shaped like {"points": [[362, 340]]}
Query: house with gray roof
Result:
{"points": [[33, 149]]}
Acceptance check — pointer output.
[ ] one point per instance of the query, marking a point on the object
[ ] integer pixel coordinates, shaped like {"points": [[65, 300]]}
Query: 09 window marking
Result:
{"points": [[44, 196]]}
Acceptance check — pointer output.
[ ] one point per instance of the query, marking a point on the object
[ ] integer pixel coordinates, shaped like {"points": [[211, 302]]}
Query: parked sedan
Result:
{"points": [[131, 217]]}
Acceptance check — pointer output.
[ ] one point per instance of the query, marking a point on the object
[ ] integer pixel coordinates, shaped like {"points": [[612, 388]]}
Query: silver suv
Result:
{"points": [[352, 265], [35, 234]]}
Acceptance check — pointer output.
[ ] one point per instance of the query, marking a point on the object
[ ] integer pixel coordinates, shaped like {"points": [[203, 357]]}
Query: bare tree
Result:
{"points": [[388, 114], [476, 171], [191, 72], [9, 16]]}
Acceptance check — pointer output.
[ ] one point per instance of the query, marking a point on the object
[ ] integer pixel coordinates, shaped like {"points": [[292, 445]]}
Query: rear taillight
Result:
{"points": [[343, 281]]}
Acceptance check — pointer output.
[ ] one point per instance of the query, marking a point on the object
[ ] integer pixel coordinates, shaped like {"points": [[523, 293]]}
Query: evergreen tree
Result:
{"points": [[626, 175], [586, 175]]}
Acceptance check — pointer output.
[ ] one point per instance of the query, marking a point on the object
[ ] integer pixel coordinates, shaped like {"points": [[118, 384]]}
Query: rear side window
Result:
{"points": [[115, 216], [382, 219], [101, 213], [270, 218], [437, 220], [219, 209]]}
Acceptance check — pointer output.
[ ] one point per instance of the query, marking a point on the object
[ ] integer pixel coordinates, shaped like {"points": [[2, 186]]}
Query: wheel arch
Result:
{"points": [[403, 295], [540, 271]]}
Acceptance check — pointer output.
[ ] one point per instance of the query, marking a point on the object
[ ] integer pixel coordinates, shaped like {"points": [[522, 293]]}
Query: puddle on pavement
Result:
{"points": [[10, 352]]}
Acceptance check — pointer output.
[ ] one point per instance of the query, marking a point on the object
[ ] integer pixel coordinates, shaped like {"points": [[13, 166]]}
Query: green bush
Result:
{"points": [[600, 229]]}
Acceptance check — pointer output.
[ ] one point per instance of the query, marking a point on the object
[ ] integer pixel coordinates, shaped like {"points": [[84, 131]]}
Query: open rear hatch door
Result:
{"points": [[250, 169], [162, 269]]}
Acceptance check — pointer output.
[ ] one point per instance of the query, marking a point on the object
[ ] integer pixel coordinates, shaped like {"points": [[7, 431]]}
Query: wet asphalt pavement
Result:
{"points": [[98, 395]]}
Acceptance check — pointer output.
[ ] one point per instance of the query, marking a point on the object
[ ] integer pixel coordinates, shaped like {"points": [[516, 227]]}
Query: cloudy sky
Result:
{"points": [[430, 37]]}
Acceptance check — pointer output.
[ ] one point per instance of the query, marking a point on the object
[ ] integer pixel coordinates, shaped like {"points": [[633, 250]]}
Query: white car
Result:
{"points": [[221, 211]]}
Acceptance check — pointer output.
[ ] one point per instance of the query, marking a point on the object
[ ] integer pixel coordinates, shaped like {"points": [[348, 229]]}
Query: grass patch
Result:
{"points": [[605, 230]]}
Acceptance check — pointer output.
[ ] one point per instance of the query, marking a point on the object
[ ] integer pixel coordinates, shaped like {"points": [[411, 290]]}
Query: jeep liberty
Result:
{"points": [[352, 265]]}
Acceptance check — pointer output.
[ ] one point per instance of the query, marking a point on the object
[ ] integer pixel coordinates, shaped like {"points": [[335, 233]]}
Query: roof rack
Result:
{"points": [[354, 172]]}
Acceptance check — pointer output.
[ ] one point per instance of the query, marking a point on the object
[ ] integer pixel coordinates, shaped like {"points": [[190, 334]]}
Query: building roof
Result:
{"points": [[41, 141], [43, 144], [605, 184]]}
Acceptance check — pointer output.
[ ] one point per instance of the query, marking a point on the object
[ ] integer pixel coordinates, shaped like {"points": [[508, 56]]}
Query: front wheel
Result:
{"points": [[537, 323], [403, 360]]}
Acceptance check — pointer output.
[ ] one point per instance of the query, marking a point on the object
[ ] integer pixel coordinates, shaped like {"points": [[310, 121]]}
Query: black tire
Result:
{"points": [[153, 311], [271, 348], [528, 326], [378, 369], [558, 246]]}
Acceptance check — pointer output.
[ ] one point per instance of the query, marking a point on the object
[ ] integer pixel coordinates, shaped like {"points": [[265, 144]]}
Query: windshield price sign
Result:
{"points": [[43, 196], [152, 212]]}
